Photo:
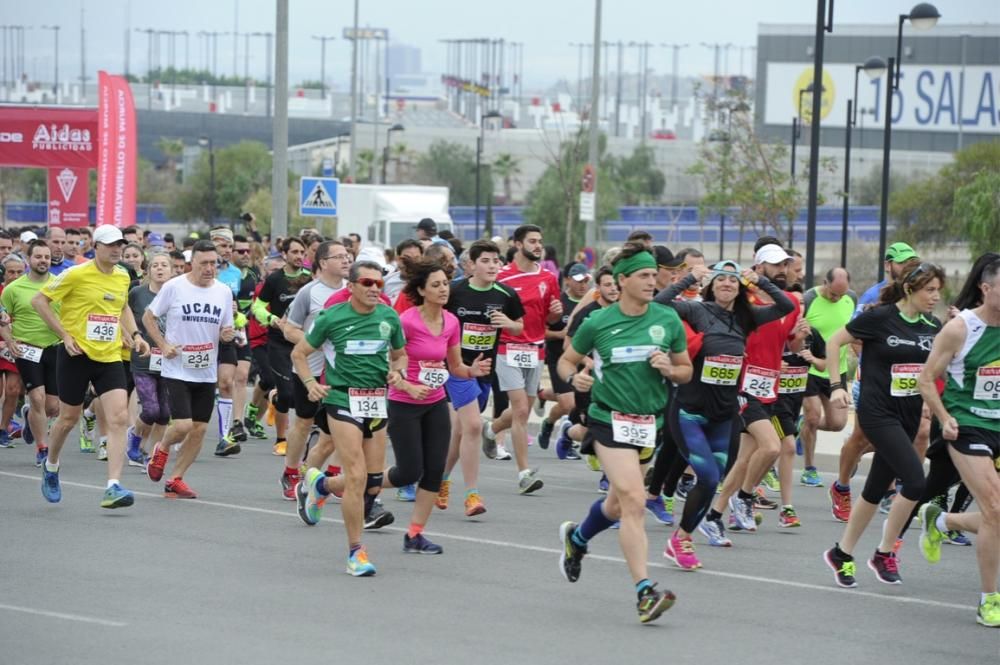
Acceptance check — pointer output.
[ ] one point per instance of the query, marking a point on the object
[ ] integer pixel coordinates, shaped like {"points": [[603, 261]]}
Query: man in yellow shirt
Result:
{"points": [[94, 323]]}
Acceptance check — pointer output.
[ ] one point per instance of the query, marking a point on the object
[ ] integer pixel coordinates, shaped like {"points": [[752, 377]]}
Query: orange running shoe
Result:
{"points": [[178, 489], [474, 505], [443, 494]]}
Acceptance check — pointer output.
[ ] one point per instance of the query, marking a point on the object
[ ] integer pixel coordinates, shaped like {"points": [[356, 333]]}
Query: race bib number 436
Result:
{"points": [[633, 430], [102, 327], [904, 380], [367, 402]]}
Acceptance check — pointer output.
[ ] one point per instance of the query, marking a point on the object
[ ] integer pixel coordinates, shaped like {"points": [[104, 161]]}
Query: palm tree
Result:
{"points": [[365, 166], [173, 150], [507, 167], [400, 153]]}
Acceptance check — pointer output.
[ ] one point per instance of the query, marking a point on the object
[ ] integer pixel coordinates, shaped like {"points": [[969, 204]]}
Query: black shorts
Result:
{"points": [[77, 372], [129, 381], [817, 385], [559, 387], [598, 432], [189, 400], [41, 374], [785, 414], [264, 374], [581, 403], [304, 407], [752, 409], [368, 426], [227, 353], [977, 442]]}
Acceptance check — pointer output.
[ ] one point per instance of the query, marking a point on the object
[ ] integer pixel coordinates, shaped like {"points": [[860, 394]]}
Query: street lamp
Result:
{"points": [[922, 17], [726, 138], [479, 156], [797, 121], [385, 157], [55, 33], [206, 142], [322, 63], [874, 68]]}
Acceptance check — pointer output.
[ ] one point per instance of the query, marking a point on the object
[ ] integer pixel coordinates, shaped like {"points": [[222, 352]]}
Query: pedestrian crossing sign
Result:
{"points": [[318, 197]]}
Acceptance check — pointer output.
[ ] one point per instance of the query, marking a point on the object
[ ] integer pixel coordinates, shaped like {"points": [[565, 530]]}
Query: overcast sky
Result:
{"points": [[546, 27]]}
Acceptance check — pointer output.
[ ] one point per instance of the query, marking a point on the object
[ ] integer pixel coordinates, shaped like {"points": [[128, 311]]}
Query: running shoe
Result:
{"points": [[761, 502], [29, 436], [238, 432], [41, 454], [407, 494], [885, 567], [680, 550], [886, 503], [157, 463], [539, 406], [742, 513], [178, 489], [571, 555], [530, 482], [444, 492], [254, 428], [309, 501], [840, 503], [659, 512], [930, 536], [132, 449], [603, 485], [595, 464], [844, 568], [564, 445], [653, 603], [358, 564], [420, 545], [102, 451], [117, 496], [989, 611], [87, 426], [715, 532], [545, 434], [378, 517], [50, 485], [684, 488], [787, 519], [288, 483], [279, 448], [5, 441], [810, 477], [501, 453], [227, 446], [957, 538], [14, 429], [771, 481], [474, 505], [489, 445]]}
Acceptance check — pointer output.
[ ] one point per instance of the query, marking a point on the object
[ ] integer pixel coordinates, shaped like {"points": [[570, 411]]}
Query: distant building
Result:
{"points": [[403, 60]]}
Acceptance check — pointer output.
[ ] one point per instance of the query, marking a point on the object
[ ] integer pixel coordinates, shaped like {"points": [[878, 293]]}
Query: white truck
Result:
{"points": [[384, 215]]}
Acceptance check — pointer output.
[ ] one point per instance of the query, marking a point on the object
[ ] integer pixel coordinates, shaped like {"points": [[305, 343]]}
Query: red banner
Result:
{"points": [[33, 136], [68, 197], [116, 167]]}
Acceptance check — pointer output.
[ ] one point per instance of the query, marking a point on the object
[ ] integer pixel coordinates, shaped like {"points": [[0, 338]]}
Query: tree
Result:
{"points": [[638, 179], [240, 170], [507, 167], [977, 207], [173, 150], [401, 155], [453, 165]]}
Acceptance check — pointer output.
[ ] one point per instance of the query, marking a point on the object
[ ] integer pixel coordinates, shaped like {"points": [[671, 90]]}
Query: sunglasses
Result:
{"points": [[241, 251], [920, 270], [368, 282]]}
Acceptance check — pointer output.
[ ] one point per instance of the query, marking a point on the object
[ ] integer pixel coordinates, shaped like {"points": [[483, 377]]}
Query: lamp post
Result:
{"points": [[874, 68], [479, 157], [268, 36], [322, 63], [797, 122], [922, 17], [206, 142], [385, 156], [55, 84]]}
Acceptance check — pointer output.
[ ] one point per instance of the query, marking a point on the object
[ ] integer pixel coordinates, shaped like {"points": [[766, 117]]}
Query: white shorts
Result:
{"points": [[517, 378]]}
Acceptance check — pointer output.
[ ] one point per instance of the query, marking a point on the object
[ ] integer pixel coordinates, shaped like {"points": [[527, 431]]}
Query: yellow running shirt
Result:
{"points": [[92, 304]]}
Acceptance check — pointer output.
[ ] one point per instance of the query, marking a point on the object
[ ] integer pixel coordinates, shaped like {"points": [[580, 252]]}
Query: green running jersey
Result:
{"points": [[972, 389]]}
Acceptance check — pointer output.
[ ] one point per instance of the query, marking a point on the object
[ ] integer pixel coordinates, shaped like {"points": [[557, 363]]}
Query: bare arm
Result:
{"points": [[300, 361], [566, 368], [153, 330], [456, 367], [947, 344], [839, 394], [43, 305]]}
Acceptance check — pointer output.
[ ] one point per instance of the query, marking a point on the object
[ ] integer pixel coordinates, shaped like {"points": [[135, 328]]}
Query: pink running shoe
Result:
{"points": [[680, 550]]}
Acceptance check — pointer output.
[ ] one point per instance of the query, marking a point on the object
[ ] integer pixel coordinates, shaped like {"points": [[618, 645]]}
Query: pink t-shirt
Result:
{"points": [[426, 355]]}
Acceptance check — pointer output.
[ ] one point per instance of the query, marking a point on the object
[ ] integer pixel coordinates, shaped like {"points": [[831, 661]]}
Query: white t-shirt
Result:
{"points": [[305, 308], [195, 316]]}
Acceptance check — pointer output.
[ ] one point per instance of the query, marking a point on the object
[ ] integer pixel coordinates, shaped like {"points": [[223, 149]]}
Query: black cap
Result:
{"points": [[665, 258], [428, 225]]}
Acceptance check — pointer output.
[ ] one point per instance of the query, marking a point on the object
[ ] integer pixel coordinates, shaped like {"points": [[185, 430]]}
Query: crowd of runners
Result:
{"points": [[691, 387]]}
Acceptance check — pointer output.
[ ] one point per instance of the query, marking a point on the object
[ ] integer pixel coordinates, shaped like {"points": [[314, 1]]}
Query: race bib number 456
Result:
{"points": [[904, 380], [432, 374], [633, 430], [102, 327]]}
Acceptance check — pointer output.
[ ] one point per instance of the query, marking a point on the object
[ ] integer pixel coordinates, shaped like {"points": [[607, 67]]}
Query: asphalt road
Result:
{"points": [[235, 577]]}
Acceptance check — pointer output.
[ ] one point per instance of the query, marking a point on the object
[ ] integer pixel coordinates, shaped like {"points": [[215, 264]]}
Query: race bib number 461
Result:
{"points": [[102, 327], [904, 380], [633, 430], [524, 356]]}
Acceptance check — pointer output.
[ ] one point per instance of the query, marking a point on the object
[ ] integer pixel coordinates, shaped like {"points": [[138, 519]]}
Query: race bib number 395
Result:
{"points": [[904, 380], [367, 402], [633, 430], [102, 327]]}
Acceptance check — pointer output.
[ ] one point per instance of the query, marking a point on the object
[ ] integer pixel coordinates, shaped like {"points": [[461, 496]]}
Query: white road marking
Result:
{"points": [[63, 615]]}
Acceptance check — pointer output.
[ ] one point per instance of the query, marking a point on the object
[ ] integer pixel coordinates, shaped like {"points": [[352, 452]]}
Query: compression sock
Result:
{"points": [[224, 409], [594, 523]]}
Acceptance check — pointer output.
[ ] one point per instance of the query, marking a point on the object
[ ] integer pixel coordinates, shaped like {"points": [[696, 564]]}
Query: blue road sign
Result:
{"points": [[318, 197]]}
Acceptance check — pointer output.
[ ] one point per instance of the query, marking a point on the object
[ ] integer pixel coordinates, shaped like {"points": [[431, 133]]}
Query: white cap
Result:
{"points": [[28, 236], [373, 254], [772, 253], [108, 234], [187, 255]]}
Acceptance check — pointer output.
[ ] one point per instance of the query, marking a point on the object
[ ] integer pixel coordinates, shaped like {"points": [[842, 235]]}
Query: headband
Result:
{"points": [[225, 234], [640, 261]]}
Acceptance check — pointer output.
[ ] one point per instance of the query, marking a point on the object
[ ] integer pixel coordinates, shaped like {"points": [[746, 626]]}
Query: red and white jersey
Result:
{"points": [[537, 290], [764, 349]]}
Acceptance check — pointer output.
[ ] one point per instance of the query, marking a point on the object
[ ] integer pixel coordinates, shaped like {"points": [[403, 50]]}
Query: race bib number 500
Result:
{"points": [[367, 402], [793, 380], [633, 430], [102, 327]]}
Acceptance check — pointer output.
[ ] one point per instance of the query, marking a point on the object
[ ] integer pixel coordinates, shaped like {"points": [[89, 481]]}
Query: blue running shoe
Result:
{"points": [[420, 545], [715, 532], [603, 485], [50, 485], [117, 496], [41, 454], [810, 477], [134, 441], [408, 493], [310, 501], [659, 511], [5, 441], [29, 437], [564, 445], [957, 538], [358, 564]]}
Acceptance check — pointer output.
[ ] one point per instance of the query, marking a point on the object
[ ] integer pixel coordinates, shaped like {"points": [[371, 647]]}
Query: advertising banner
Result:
{"points": [[116, 167], [68, 200], [42, 137]]}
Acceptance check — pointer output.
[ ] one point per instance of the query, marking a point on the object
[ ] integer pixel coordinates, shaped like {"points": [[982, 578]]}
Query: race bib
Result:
{"points": [[759, 382], [30, 353], [721, 370], [102, 327], [197, 356], [987, 383], [367, 402], [793, 380], [432, 374], [633, 430], [478, 336], [155, 360], [523, 356], [364, 347], [904, 380], [6, 354], [632, 354]]}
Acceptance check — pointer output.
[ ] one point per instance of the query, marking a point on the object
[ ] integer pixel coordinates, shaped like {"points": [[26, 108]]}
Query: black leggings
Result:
{"points": [[420, 434], [895, 458], [280, 356]]}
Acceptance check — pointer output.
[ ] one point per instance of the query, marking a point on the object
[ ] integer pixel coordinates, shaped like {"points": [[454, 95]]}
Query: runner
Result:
{"points": [[897, 334], [482, 307], [639, 347], [260, 404], [364, 334], [198, 311], [93, 321], [230, 276], [249, 278], [519, 357]]}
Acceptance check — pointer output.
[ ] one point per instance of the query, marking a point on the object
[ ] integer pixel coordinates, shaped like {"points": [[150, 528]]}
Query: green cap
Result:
{"points": [[900, 252]]}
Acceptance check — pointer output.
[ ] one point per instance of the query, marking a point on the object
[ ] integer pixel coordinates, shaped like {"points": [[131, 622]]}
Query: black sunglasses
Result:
{"points": [[920, 270]]}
